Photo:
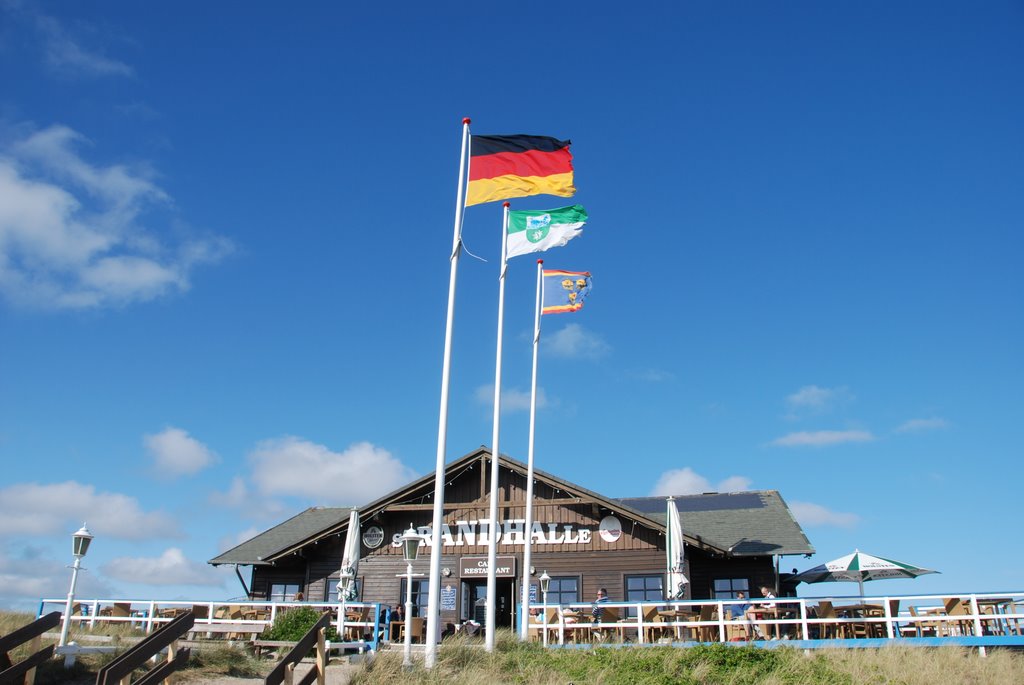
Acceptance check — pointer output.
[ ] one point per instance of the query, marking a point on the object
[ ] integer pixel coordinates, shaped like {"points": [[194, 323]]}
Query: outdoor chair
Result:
{"points": [[539, 623], [418, 629], [354, 633], [601, 630], [706, 633], [957, 607], [829, 631], [652, 633], [926, 628]]}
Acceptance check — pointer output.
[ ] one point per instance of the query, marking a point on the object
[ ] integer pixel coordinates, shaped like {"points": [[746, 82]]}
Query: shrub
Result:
{"points": [[292, 624]]}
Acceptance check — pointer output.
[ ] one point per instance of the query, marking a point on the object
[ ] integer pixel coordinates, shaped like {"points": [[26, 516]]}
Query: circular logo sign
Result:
{"points": [[373, 536], [610, 529]]}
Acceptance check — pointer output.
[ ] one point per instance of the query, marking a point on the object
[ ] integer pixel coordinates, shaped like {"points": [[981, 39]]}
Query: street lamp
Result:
{"points": [[545, 582], [411, 541], [79, 546]]}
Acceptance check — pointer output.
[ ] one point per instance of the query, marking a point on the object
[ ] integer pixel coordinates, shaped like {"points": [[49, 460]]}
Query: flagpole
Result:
{"points": [[493, 530], [528, 524], [434, 581]]}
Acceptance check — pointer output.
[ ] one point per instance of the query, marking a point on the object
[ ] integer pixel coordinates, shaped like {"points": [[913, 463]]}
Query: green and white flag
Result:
{"points": [[541, 229]]}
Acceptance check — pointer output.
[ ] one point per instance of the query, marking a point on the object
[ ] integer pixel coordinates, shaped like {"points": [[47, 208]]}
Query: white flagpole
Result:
{"points": [[493, 529], [528, 524], [434, 593]]}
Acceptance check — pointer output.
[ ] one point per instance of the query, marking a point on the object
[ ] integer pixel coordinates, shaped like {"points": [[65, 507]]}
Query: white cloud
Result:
{"points": [[72, 235], [810, 514], [176, 453], [686, 481], [231, 541], [574, 341], [29, 573], [650, 375], [33, 509], [735, 484], [170, 568], [297, 467], [822, 438], [921, 425], [512, 399], [65, 53], [813, 399], [251, 505]]}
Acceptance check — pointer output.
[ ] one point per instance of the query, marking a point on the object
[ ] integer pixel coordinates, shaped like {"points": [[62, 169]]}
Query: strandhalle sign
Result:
{"points": [[510, 532]]}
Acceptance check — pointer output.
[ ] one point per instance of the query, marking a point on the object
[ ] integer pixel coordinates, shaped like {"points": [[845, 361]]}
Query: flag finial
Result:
{"points": [[466, 120]]}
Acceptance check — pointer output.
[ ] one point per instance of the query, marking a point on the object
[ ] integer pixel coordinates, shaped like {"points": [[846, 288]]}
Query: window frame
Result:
{"points": [[734, 586]]}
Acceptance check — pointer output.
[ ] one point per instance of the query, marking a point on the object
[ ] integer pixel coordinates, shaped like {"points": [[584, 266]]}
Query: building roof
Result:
{"points": [[740, 524], [743, 523], [304, 526]]}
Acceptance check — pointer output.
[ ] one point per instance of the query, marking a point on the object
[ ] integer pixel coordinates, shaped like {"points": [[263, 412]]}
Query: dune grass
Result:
{"points": [[514, 663], [205, 663]]}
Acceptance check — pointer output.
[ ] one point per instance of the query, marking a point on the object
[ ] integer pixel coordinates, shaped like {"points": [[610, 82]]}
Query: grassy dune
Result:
{"points": [[514, 663], [529, 664]]}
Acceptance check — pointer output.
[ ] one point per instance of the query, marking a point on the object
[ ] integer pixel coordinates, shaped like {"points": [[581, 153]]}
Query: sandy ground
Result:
{"points": [[337, 674]]}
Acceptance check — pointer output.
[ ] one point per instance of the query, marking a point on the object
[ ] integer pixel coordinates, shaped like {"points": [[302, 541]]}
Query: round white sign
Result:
{"points": [[611, 529], [373, 536]]}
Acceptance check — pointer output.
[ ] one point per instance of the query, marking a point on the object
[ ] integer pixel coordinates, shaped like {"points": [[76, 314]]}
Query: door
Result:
{"points": [[475, 592]]}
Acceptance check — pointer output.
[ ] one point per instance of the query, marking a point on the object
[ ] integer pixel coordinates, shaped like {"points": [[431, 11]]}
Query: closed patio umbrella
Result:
{"points": [[350, 558], [859, 567], [675, 554]]}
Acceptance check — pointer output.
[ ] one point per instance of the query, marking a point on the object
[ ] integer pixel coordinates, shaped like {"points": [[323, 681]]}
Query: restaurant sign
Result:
{"points": [[504, 567], [510, 532]]}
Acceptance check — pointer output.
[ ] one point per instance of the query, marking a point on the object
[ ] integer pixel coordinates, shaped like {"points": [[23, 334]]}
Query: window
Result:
{"points": [[643, 589], [564, 590], [420, 590], [331, 591], [283, 592], [726, 588]]}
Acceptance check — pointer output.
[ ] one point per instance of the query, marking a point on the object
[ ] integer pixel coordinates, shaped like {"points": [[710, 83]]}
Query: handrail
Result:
{"points": [[285, 670], [165, 637], [1002, 623], [25, 671]]}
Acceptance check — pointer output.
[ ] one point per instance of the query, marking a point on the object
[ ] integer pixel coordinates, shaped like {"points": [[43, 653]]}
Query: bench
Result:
{"points": [[250, 629]]}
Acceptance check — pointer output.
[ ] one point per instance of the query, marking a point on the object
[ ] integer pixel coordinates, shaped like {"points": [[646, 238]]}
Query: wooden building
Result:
{"points": [[583, 540]]}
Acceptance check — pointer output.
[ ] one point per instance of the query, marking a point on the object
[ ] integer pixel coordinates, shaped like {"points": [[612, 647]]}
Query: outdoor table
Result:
{"points": [[861, 629], [995, 607], [676, 615]]}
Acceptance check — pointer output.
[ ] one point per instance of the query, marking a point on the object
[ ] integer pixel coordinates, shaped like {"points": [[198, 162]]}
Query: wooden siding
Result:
{"points": [[640, 550]]}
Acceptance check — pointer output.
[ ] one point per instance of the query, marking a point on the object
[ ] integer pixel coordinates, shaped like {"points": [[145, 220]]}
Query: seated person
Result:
{"points": [[757, 612], [598, 611], [738, 610]]}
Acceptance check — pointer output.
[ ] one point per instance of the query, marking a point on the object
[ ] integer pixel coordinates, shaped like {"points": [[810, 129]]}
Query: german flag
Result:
{"points": [[502, 167]]}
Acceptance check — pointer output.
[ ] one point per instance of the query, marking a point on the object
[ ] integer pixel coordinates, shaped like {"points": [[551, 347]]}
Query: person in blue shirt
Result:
{"points": [[598, 610], [740, 610]]}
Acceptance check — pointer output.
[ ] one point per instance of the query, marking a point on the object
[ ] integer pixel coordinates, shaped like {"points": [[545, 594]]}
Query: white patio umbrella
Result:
{"points": [[350, 558], [859, 567], [674, 553]]}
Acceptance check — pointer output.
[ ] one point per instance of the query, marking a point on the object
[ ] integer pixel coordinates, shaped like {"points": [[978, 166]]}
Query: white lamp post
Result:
{"points": [[545, 582], [411, 541], [79, 546]]}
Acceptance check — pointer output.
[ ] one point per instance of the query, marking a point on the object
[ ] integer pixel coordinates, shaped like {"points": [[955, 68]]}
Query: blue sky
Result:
{"points": [[224, 232]]}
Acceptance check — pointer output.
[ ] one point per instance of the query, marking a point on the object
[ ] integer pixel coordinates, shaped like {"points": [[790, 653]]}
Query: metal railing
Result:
{"points": [[975, 619], [223, 618]]}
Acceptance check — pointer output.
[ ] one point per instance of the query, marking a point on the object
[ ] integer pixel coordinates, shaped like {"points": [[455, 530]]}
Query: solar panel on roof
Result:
{"points": [[711, 502]]}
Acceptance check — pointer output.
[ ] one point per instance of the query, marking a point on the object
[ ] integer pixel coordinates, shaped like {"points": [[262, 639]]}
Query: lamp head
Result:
{"points": [[80, 541], [545, 582], [411, 541]]}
